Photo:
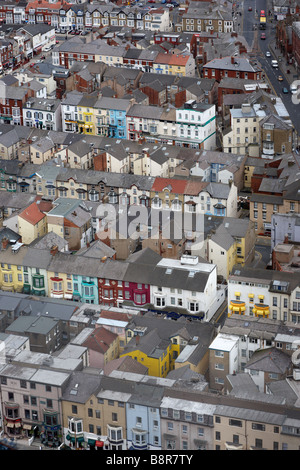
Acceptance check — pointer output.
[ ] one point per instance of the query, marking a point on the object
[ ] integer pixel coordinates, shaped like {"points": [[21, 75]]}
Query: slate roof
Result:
{"points": [[270, 360], [81, 386]]}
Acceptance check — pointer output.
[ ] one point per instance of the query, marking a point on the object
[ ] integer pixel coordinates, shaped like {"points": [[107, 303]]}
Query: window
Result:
{"points": [[258, 426], [235, 422]]}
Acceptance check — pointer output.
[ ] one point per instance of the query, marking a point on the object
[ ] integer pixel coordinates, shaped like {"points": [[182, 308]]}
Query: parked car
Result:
{"points": [[280, 78], [250, 9]]}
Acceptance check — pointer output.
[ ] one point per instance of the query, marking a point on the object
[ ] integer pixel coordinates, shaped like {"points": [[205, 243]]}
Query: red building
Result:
{"points": [[172, 38], [231, 67], [296, 43], [42, 11], [6, 53], [11, 106], [137, 293], [284, 38], [235, 86]]}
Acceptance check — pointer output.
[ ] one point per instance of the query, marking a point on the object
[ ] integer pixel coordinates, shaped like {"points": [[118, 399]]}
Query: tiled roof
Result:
{"points": [[175, 186], [100, 340], [32, 214], [172, 59]]}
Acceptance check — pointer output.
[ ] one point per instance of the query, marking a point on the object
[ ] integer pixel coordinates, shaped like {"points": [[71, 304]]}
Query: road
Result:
{"points": [[253, 39]]}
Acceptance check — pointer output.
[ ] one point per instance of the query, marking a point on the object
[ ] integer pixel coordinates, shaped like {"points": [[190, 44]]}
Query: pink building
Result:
{"points": [[103, 346]]}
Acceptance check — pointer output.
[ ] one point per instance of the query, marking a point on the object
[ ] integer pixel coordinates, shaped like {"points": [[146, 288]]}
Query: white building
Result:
{"points": [[42, 113], [196, 124], [265, 294], [41, 35], [69, 111], [217, 199], [186, 284]]}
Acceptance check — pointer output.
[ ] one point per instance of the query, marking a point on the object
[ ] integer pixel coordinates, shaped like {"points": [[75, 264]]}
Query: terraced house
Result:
{"points": [[206, 19], [110, 117]]}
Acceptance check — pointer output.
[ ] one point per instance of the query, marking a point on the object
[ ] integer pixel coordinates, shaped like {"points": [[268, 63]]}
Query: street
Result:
{"points": [[251, 18]]}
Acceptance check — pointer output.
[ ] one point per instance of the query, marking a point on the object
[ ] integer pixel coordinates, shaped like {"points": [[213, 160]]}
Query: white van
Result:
{"points": [[294, 89], [274, 64]]}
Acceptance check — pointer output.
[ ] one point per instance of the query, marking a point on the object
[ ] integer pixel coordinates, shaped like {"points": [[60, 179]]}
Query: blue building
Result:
{"points": [[143, 417], [85, 289], [114, 109]]}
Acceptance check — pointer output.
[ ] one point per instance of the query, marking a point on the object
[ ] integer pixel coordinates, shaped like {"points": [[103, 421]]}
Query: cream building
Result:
{"points": [[243, 136]]}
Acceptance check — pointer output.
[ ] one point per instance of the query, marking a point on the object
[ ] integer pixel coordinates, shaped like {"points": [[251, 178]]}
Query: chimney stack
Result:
{"points": [[5, 242], [54, 250]]}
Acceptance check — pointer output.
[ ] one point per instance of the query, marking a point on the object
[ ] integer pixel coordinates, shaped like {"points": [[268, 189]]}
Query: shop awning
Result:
{"points": [[99, 443], [27, 426]]}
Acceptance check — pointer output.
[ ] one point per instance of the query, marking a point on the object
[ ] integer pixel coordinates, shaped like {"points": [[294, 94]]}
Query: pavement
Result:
{"points": [[283, 66], [23, 444]]}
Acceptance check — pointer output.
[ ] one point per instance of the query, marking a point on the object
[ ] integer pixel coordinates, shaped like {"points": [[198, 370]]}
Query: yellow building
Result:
{"points": [[159, 358], [60, 285], [232, 243], [85, 121], [33, 222], [11, 267]]}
